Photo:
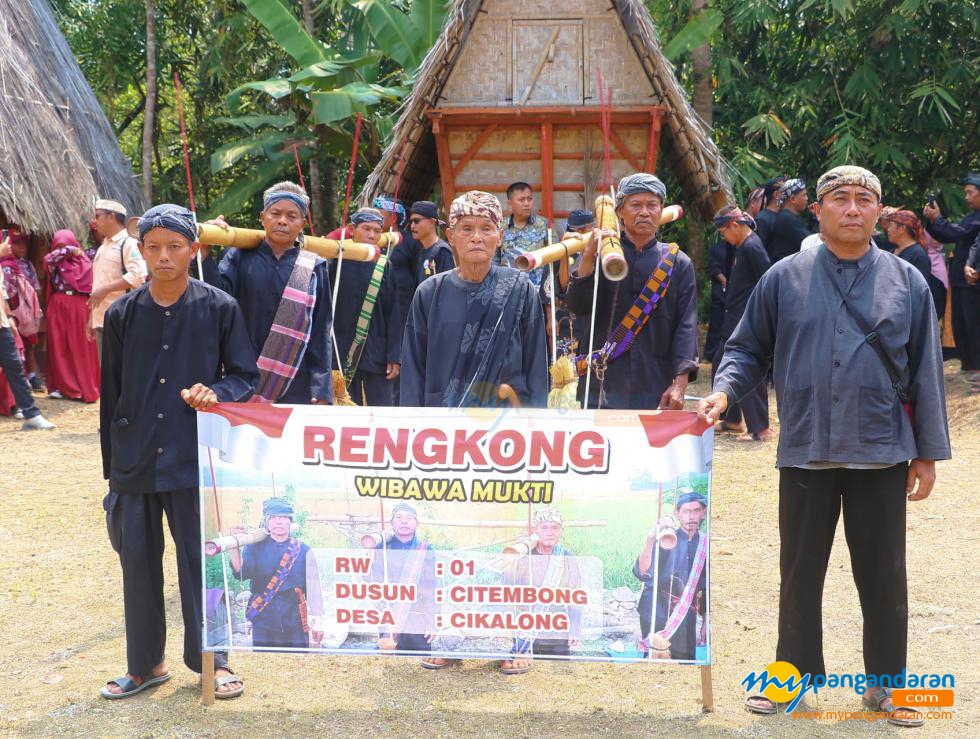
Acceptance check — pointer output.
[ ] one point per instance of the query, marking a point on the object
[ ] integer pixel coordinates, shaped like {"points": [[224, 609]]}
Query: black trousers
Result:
{"points": [[13, 368], [966, 326], [412, 643], [372, 388], [716, 317], [754, 406], [135, 524], [873, 502]]}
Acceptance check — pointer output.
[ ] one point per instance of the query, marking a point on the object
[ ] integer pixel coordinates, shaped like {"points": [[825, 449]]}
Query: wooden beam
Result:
{"points": [[653, 146], [557, 114], [546, 52], [485, 134], [446, 176], [502, 187], [528, 156], [547, 170], [621, 148]]}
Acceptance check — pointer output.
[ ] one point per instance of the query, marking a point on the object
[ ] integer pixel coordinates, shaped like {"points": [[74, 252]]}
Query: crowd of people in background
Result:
{"points": [[56, 301], [449, 323]]}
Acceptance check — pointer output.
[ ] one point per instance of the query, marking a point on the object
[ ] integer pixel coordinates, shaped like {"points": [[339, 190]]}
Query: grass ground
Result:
{"points": [[61, 631]]}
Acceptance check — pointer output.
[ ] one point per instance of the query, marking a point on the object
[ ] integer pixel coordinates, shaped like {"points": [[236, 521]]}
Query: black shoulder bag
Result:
{"points": [[873, 338]]}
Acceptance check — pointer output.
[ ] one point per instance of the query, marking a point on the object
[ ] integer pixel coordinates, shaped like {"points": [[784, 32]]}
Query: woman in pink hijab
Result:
{"points": [[72, 366]]}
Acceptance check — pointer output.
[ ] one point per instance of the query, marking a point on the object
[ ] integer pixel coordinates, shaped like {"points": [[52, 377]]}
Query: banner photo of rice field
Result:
{"points": [[488, 534]]}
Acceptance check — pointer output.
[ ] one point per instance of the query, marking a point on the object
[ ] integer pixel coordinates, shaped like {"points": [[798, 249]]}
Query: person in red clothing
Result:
{"points": [[72, 366]]}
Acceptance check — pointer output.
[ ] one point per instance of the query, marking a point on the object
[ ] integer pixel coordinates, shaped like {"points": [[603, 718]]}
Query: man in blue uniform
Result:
{"points": [[170, 344]]}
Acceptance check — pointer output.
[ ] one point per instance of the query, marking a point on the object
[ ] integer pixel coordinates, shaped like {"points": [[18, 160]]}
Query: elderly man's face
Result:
{"points": [[474, 240], [404, 525], [279, 527], [366, 233], [549, 533], [848, 214], [283, 223], [640, 214], [691, 516]]}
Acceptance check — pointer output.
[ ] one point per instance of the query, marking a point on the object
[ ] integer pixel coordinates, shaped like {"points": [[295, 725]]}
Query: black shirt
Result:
{"points": [[751, 262], [787, 234], [151, 353], [763, 225], [383, 343]]}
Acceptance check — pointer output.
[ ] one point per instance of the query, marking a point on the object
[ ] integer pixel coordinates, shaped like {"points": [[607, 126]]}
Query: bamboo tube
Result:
{"points": [[577, 243], [246, 238], [567, 247], [611, 257], [237, 541]]}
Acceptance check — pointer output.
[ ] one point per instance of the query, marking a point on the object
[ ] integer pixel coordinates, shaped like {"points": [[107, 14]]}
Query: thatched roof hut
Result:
{"points": [[510, 92], [57, 150]]}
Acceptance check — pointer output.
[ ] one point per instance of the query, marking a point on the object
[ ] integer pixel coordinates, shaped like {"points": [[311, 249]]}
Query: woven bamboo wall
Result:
{"points": [[507, 42], [583, 144]]}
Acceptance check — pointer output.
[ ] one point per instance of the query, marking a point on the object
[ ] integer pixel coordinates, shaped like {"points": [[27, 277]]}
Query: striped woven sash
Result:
{"points": [[625, 333], [364, 319], [289, 335]]}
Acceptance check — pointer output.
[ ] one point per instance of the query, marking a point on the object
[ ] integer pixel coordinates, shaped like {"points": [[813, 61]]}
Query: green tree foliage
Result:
{"points": [[804, 85], [800, 85]]}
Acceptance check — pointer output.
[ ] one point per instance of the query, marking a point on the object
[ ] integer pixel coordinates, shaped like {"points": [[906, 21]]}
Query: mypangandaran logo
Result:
{"points": [[781, 682]]}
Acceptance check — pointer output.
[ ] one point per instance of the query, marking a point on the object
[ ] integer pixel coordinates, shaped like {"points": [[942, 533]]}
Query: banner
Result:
{"points": [[579, 535]]}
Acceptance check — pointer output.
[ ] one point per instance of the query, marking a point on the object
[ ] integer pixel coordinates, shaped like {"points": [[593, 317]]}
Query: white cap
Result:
{"points": [[113, 206]]}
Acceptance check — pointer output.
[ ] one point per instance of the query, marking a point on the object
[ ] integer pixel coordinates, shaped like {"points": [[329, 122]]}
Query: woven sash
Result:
{"points": [[625, 333], [289, 335], [364, 319], [286, 564], [687, 596]]}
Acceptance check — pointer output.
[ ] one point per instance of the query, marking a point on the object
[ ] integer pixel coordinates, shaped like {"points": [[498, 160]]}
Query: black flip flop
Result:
{"points": [[131, 687]]}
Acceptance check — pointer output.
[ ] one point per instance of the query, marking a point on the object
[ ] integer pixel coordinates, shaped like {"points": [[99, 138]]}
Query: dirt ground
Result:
{"points": [[61, 629]]}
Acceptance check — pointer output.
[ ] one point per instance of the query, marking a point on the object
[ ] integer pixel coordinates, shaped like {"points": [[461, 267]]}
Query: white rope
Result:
{"points": [[333, 298]]}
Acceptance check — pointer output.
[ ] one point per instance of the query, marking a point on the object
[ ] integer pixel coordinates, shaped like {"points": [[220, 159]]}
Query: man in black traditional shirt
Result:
{"points": [[171, 347]]}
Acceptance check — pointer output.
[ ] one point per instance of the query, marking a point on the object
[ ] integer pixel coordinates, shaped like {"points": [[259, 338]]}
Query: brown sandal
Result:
{"points": [[876, 698]]}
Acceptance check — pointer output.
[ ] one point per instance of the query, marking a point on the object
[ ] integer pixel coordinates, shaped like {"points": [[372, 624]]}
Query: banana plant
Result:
{"points": [[312, 105]]}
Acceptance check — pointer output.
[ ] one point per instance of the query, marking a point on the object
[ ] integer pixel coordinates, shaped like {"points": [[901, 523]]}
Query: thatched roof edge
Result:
{"points": [[691, 154], [58, 152]]}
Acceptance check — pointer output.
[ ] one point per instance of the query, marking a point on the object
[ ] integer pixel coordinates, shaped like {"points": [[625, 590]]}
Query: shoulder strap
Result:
{"points": [[873, 338], [364, 318]]}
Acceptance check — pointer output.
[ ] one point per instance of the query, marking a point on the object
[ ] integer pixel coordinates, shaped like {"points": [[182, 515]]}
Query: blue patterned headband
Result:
{"points": [[277, 195], [171, 217]]}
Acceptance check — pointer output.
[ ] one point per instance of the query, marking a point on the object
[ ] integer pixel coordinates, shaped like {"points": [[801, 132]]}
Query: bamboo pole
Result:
{"points": [[611, 257], [577, 243], [247, 238]]}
